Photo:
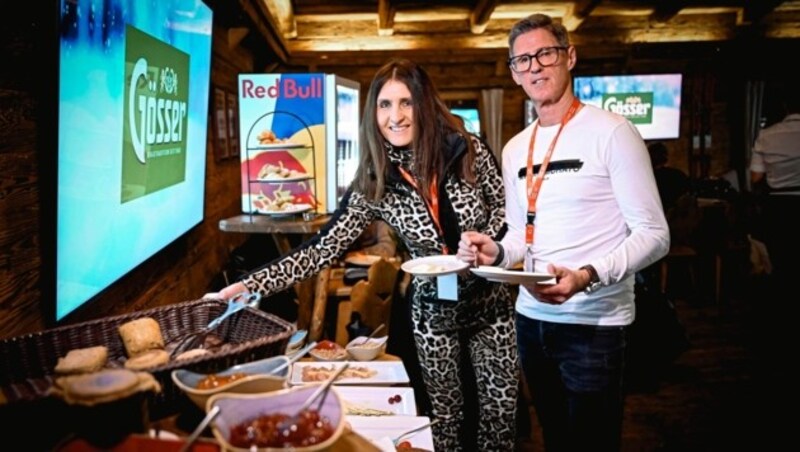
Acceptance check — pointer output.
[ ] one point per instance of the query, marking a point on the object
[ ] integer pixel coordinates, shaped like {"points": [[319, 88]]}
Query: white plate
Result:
{"points": [[498, 274], [275, 178], [279, 146], [434, 265], [377, 429], [388, 373], [296, 208], [377, 398]]}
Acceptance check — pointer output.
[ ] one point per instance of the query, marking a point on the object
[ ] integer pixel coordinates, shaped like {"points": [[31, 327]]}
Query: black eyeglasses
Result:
{"points": [[546, 56]]}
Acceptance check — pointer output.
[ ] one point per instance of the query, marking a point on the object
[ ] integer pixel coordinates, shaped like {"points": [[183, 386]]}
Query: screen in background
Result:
{"points": [[133, 111], [471, 119], [651, 102]]}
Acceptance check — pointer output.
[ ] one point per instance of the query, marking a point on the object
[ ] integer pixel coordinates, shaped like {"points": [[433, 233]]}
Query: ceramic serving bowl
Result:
{"points": [[328, 351], [296, 341], [237, 409], [259, 377], [363, 349]]}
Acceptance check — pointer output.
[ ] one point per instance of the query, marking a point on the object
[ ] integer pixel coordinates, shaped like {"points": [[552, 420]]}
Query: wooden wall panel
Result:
{"points": [[20, 258]]}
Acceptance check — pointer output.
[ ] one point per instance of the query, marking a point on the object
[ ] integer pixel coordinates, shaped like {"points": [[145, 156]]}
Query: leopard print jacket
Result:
{"points": [[479, 207]]}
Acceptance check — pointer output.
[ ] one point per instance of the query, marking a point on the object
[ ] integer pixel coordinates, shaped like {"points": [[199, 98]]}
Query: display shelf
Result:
{"points": [[280, 174]]}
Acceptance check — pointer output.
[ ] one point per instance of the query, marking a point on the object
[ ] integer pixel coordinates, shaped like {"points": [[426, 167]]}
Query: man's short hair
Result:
{"points": [[534, 22]]}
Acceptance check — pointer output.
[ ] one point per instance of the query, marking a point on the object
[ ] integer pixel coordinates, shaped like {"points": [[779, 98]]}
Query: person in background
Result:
{"points": [[582, 205], [680, 207], [775, 168], [426, 177], [672, 183]]}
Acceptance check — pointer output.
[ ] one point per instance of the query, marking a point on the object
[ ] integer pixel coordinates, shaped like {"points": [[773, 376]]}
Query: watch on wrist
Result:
{"points": [[594, 279]]}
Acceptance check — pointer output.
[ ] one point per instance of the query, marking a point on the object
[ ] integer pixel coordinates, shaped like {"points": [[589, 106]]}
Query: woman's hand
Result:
{"points": [[227, 292]]}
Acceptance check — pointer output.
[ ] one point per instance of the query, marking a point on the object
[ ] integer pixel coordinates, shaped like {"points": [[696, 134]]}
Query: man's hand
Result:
{"points": [[477, 249], [568, 283]]}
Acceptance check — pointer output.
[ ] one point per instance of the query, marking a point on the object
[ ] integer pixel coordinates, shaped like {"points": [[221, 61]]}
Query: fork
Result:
{"points": [[200, 427], [397, 439], [195, 339]]}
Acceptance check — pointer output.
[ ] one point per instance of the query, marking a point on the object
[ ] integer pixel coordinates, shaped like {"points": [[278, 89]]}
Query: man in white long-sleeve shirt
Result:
{"points": [[775, 163], [581, 204]]}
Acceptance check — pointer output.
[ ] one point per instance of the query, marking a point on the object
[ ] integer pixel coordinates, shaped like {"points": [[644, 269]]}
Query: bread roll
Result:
{"points": [[193, 353], [148, 359], [82, 360], [141, 335], [104, 386]]}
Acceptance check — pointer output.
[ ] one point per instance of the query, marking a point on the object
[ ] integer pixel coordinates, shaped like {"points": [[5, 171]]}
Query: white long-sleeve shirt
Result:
{"points": [[598, 205], [776, 152]]}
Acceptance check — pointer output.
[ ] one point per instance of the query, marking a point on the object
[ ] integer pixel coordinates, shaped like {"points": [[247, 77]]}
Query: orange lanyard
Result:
{"points": [[533, 186], [432, 205]]}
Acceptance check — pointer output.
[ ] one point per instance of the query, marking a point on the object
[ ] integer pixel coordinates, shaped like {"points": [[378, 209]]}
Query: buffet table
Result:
{"points": [[180, 426]]}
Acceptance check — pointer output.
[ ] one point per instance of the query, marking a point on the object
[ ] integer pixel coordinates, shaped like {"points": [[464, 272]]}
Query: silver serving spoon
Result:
{"points": [[397, 439], [371, 335], [200, 427]]}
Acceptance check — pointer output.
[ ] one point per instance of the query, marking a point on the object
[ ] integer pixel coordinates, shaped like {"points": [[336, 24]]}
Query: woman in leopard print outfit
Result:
{"points": [[410, 139]]}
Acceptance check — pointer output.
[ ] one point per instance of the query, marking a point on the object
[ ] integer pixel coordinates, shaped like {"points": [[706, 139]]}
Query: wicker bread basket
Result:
{"points": [[27, 362]]}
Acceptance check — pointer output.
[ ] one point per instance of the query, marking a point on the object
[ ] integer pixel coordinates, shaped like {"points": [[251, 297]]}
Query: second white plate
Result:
{"points": [[384, 373], [383, 401], [434, 265], [498, 274]]}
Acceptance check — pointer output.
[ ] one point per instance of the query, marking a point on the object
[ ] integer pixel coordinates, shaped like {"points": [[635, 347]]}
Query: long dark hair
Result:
{"points": [[432, 123]]}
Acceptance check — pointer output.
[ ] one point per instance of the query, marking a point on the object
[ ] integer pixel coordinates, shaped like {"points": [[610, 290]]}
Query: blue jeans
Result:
{"points": [[574, 374]]}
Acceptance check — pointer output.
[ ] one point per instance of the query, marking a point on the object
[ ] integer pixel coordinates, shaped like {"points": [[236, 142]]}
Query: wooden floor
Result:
{"points": [[729, 391]]}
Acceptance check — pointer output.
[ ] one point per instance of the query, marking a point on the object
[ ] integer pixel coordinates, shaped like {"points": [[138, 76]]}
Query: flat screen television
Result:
{"points": [[471, 117], [133, 94], [652, 102]]}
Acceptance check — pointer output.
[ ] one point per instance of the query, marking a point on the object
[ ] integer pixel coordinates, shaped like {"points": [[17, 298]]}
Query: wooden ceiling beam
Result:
{"points": [[754, 11], [267, 26], [342, 31], [578, 12], [665, 11], [480, 15], [497, 57], [282, 12], [385, 18]]}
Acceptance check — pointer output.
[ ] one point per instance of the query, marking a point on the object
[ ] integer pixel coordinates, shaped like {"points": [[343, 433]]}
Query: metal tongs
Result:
{"points": [[196, 339]]}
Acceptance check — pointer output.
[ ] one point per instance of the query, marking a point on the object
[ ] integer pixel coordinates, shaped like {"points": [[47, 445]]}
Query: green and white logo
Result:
{"points": [[155, 117], [636, 107]]}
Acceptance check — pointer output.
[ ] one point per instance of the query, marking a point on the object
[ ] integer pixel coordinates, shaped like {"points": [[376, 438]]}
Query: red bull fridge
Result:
{"points": [[298, 141]]}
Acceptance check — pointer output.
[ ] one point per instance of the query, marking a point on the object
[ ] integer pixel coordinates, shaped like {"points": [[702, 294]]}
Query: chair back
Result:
{"points": [[371, 298]]}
